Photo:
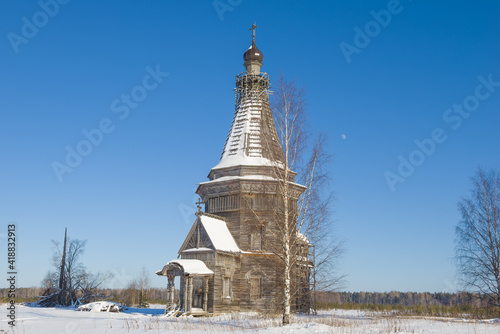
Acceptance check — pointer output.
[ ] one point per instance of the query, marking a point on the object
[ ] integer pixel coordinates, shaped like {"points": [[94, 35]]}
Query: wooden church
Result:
{"points": [[228, 261]]}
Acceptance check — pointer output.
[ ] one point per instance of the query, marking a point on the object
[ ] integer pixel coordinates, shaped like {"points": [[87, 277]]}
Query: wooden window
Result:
{"points": [[226, 287], [222, 203], [256, 238], [254, 287]]}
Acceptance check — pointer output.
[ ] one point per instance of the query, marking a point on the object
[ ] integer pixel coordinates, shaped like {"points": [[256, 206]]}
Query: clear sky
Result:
{"points": [[409, 85]]}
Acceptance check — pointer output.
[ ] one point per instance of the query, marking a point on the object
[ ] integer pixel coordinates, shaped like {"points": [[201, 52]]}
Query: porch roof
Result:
{"points": [[190, 267]]}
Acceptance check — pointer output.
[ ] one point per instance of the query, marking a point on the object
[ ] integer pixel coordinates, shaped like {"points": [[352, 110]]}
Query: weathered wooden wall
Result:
{"points": [[249, 208]]}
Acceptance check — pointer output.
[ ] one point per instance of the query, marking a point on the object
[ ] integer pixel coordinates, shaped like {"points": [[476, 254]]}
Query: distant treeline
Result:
{"points": [[439, 303], [401, 298], [128, 296], [21, 294]]}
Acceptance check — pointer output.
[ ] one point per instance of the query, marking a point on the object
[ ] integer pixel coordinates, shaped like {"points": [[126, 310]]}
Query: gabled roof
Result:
{"points": [[215, 229], [219, 234]]}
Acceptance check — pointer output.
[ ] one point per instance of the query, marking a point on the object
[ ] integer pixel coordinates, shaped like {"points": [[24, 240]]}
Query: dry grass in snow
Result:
{"points": [[33, 320]]}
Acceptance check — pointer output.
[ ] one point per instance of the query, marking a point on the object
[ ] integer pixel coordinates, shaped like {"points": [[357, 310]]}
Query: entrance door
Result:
{"points": [[198, 292]]}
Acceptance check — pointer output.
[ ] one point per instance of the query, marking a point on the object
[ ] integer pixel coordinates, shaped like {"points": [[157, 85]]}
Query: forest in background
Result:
{"points": [[442, 304], [406, 303]]}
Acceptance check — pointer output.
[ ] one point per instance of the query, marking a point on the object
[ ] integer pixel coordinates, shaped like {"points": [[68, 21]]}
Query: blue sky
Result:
{"points": [[132, 195]]}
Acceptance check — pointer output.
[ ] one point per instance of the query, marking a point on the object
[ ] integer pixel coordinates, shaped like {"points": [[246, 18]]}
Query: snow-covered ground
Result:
{"points": [[33, 320]]}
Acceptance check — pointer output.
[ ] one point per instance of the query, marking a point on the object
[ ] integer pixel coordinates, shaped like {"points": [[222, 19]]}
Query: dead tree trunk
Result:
{"points": [[63, 262], [62, 280]]}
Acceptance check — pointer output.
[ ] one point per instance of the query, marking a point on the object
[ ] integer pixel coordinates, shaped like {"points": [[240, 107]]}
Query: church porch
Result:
{"points": [[194, 287]]}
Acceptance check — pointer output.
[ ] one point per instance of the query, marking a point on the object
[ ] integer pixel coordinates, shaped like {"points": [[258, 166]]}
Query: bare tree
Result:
{"points": [[144, 280], [303, 209], [131, 293], [70, 284], [89, 286], [478, 236], [137, 290]]}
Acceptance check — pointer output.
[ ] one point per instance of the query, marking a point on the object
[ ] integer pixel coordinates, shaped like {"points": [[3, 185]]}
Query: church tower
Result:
{"points": [[229, 255], [243, 186], [245, 177]]}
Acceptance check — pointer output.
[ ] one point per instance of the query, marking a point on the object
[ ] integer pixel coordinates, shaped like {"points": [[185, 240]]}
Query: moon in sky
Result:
{"points": [[343, 136]]}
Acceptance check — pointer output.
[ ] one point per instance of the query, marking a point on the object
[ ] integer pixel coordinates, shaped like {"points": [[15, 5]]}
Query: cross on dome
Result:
{"points": [[253, 57], [254, 26]]}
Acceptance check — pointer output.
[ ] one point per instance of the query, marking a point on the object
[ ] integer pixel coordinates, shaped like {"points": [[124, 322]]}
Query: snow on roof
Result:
{"points": [[201, 249], [250, 177], [190, 267], [244, 142], [246, 177], [240, 159], [219, 234]]}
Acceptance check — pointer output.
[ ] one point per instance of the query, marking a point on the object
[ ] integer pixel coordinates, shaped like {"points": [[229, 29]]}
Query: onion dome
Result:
{"points": [[253, 53]]}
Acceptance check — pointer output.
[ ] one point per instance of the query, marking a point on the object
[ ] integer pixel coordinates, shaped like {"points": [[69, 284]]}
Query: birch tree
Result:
{"points": [[302, 214], [478, 236]]}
